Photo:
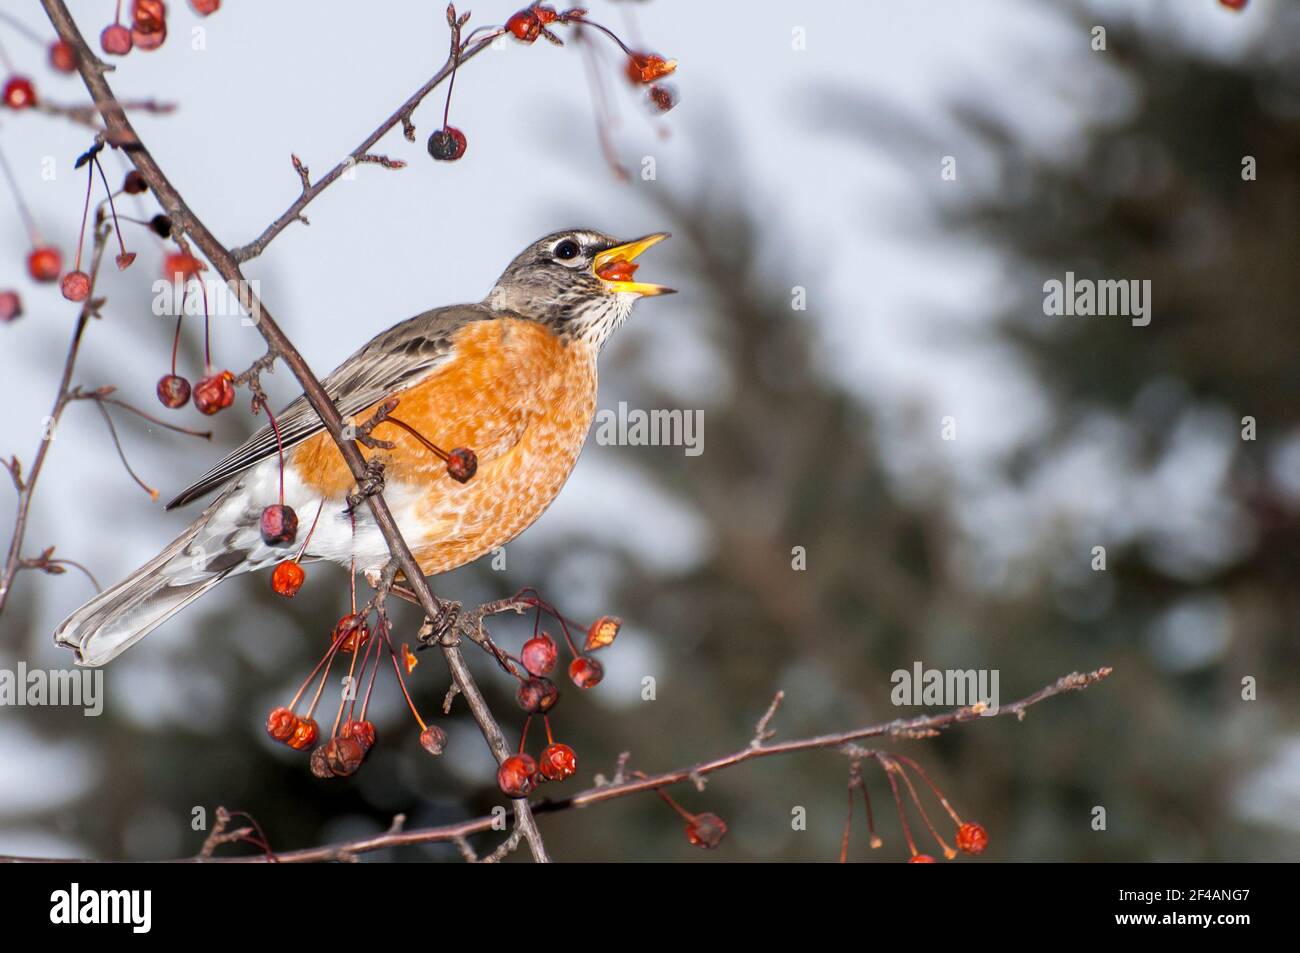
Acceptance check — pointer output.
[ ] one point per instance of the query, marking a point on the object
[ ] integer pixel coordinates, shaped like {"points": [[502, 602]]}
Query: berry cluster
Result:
{"points": [[448, 143], [537, 694], [352, 735], [146, 28], [971, 838]]}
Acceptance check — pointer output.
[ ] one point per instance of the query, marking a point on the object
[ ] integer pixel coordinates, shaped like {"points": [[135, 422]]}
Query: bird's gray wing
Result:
{"points": [[394, 360]]}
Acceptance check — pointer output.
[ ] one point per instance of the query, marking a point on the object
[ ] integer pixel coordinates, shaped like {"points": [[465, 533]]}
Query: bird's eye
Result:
{"points": [[567, 249]]}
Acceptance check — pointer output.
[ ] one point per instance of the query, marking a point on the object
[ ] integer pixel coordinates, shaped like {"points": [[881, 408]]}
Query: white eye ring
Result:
{"points": [[567, 250]]}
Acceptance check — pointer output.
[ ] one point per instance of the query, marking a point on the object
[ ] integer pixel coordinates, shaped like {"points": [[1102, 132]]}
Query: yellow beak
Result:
{"points": [[614, 267]]}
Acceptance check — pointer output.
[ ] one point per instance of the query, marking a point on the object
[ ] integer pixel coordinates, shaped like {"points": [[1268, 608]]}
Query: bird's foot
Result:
{"points": [[441, 628], [370, 486]]}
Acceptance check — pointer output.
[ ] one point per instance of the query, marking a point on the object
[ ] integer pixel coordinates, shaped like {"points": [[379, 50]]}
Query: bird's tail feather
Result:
{"points": [[117, 618]]}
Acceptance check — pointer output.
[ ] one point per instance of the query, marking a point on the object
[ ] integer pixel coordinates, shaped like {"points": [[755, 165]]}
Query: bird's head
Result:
{"points": [[578, 281]]}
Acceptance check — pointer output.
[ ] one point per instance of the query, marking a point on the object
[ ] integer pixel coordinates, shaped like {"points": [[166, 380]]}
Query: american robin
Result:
{"points": [[513, 378]]}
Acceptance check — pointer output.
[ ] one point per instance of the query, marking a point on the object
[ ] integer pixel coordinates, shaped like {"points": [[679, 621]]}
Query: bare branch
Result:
{"points": [[920, 726]]}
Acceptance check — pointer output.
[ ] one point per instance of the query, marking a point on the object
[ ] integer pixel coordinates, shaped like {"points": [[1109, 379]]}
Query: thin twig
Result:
{"points": [[27, 487], [361, 154]]}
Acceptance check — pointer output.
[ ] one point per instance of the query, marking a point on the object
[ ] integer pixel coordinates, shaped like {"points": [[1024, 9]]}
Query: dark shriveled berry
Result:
{"points": [[706, 830], [586, 672], [447, 144], [462, 464], [279, 525], [433, 740], [537, 695], [173, 390], [134, 183]]}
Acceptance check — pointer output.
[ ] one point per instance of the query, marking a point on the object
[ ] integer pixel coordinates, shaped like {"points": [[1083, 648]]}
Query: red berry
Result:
{"points": [[215, 393], [526, 25], [433, 740], [279, 525], [648, 67], [280, 724], [287, 579], [173, 390], [343, 756], [462, 464], [123, 261], [148, 24], [558, 762], [181, 266], [539, 654], [921, 859], [354, 632], [134, 183], [706, 830], [586, 672], [603, 632], [75, 286], [304, 735], [537, 695], [515, 776], [116, 40], [44, 263], [362, 731], [19, 93], [447, 144], [1234, 4], [11, 306], [205, 7], [63, 57], [972, 838]]}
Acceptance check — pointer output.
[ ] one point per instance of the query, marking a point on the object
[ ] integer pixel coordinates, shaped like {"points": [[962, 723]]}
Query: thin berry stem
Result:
{"points": [[85, 214], [176, 340], [279, 447], [314, 521], [383, 627], [947, 851], [424, 441], [112, 208], [898, 802], [933, 787], [207, 325], [848, 830]]}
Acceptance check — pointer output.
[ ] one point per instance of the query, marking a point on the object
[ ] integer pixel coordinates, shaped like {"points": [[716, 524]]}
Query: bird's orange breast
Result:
{"points": [[513, 392]]}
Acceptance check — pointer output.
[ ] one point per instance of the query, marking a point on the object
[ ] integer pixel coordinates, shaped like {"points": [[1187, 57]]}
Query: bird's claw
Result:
{"points": [[441, 628], [372, 484]]}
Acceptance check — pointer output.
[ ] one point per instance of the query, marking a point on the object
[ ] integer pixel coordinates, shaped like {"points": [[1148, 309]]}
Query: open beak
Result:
{"points": [[615, 267]]}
